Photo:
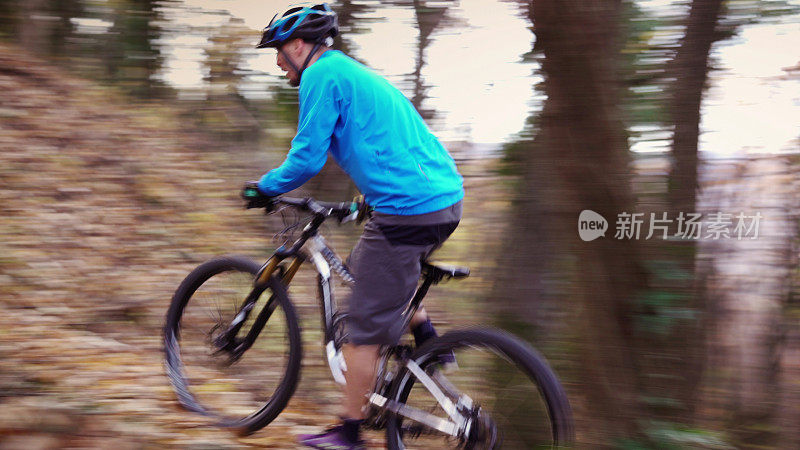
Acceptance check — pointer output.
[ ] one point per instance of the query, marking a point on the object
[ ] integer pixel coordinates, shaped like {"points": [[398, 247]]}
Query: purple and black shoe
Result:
{"points": [[333, 438]]}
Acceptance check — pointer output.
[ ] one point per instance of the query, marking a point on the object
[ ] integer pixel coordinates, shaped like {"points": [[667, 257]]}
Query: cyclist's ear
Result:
{"points": [[293, 47]]}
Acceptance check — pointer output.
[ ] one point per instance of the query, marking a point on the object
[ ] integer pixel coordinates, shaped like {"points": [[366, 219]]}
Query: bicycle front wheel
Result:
{"points": [[247, 389], [505, 389]]}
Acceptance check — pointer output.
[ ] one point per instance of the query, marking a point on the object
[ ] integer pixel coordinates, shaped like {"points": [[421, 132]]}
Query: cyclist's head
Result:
{"points": [[311, 23], [307, 28]]}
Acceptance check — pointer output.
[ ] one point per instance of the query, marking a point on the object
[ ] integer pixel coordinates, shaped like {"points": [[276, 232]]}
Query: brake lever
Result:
{"points": [[275, 211], [350, 217]]}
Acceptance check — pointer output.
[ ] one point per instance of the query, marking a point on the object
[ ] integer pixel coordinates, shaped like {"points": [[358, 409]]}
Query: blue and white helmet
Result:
{"points": [[311, 23]]}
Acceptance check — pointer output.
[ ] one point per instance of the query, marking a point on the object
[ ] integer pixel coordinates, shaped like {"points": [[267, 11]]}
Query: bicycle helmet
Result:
{"points": [[317, 24], [311, 23]]}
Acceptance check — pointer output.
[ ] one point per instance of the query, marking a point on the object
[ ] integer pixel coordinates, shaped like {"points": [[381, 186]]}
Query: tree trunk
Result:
{"points": [[579, 160], [690, 69]]}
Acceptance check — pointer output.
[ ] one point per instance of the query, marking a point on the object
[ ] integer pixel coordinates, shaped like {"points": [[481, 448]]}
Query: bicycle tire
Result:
{"points": [[188, 387], [521, 357]]}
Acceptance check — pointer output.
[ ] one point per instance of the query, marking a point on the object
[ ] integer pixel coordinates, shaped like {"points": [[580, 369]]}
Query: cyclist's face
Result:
{"points": [[288, 50], [281, 61]]}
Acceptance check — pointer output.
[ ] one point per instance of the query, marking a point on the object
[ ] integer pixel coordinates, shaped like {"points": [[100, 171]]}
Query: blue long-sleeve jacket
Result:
{"points": [[374, 133]]}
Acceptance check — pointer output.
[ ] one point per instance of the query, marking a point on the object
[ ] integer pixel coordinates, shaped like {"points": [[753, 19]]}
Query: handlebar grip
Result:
{"points": [[251, 192], [254, 198]]}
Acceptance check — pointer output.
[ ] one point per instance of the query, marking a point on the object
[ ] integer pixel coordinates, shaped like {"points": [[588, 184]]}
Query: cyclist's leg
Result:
{"points": [[385, 277], [420, 317], [361, 372], [420, 324], [386, 266]]}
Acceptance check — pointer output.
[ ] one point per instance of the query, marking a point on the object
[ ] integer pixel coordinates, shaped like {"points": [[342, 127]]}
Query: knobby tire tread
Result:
{"points": [[521, 354]]}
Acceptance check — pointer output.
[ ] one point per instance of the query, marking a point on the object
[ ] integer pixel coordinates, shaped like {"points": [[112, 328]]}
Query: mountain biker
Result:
{"points": [[405, 174]]}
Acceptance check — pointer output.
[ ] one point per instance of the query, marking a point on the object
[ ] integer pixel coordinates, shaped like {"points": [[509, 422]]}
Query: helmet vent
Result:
{"points": [[290, 23], [291, 11]]}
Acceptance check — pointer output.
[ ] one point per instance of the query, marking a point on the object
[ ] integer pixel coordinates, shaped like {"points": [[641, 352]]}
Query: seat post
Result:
{"points": [[413, 305], [422, 290]]}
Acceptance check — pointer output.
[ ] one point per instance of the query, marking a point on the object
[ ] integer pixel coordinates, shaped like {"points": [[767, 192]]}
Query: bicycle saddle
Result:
{"points": [[442, 271]]}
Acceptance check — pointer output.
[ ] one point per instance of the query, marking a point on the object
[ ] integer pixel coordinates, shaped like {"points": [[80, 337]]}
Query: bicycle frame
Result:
{"points": [[326, 262], [324, 259], [311, 246], [413, 393]]}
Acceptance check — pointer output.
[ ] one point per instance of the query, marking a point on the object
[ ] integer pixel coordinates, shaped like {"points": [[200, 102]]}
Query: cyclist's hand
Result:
{"points": [[254, 198]]}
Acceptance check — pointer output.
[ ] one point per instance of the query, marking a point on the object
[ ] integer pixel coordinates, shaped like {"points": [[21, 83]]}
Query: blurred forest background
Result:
{"points": [[128, 126]]}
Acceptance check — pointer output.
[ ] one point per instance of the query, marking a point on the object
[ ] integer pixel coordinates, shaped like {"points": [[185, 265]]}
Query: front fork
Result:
{"points": [[227, 341]]}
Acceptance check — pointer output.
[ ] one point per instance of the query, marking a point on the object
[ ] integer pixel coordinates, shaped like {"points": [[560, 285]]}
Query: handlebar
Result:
{"points": [[344, 211], [341, 210]]}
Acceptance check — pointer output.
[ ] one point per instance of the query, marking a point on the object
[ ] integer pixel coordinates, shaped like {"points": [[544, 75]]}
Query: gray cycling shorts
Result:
{"points": [[385, 263]]}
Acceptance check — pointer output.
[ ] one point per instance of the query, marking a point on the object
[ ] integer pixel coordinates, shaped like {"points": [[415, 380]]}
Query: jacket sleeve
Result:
{"points": [[309, 152]]}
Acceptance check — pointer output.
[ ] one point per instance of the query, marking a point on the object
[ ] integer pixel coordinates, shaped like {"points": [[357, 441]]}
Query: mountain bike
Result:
{"points": [[233, 353]]}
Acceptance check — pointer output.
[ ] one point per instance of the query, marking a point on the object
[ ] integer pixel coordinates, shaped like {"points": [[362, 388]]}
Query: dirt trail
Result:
{"points": [[105, 206]]}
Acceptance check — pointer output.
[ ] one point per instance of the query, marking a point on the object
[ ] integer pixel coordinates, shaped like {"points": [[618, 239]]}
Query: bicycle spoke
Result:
{"points": [[500, 401], [227, 384]]}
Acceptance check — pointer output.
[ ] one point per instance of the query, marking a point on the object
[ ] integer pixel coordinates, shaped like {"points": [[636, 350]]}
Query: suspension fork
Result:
{"points": [[326, 263], [227, 341]]}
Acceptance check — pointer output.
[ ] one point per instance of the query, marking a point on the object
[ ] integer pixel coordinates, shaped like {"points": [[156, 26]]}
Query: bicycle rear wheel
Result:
{"points": [[246, 391], [513, 399]]}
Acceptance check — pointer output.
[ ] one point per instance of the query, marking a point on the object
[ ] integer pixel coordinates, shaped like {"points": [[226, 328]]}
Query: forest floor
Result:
{"points": [[105, 207]]}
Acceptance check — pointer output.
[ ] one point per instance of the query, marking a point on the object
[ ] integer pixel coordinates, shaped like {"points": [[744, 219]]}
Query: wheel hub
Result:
{"points": [[484, 434]]}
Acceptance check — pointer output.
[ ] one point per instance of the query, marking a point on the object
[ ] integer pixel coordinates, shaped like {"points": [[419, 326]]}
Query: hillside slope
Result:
{"points": [[105, 206]]}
